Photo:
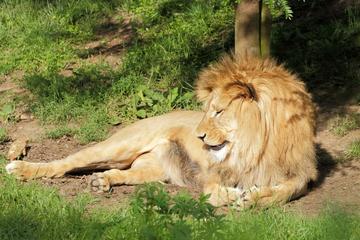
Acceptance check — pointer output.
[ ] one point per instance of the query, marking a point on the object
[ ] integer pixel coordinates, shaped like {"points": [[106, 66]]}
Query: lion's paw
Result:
{"points": [[20, 169], [99, 183], [245, 199]]}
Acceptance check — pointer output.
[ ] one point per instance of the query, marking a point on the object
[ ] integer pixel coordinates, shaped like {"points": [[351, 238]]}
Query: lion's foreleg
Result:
{"points": [[255, 196], [274, 195]]}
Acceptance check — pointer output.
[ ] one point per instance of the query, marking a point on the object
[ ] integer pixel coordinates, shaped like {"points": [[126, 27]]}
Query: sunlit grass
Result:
{"points": [[342, 125], [31, 211], [353, 150]]}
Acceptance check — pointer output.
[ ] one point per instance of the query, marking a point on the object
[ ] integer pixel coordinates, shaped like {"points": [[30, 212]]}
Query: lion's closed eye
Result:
{"points": [[219, 112]]}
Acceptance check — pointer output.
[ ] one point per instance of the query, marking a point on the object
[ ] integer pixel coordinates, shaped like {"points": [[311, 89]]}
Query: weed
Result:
{"points": [[3, 135], [342, 125], [353, 151]]}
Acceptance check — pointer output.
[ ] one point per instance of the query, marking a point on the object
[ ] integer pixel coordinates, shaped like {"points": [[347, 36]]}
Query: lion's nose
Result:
{"points": [[202, 137]]}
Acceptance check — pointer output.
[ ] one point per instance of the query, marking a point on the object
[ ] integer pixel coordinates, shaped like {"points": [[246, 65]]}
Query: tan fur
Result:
{"points": [[253, 144]]}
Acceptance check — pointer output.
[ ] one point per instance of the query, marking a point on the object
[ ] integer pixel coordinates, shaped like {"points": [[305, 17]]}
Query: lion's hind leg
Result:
{"points": [[99, 156], [23, 170]]}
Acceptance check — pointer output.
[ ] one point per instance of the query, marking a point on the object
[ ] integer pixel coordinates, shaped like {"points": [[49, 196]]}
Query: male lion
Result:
{"points": [[253, 144]]}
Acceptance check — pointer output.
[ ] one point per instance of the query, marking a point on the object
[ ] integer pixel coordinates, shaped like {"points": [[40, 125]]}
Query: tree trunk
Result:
{"points": [[252, 28], [265, 31]]}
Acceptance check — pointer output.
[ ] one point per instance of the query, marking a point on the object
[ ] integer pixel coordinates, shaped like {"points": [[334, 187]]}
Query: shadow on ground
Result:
{"points": [[322, 45]]}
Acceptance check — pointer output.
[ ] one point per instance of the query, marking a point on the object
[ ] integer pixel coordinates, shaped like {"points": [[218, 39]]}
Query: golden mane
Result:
{"points": [[274, 138], [262, 80], [236, 71]]}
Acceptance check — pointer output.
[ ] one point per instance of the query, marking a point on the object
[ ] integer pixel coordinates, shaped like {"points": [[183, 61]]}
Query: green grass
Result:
{"points": [[342, 125], [353, 150], [60, 131], [30, 211], [172, 41], [40, 38], [39, 35]]}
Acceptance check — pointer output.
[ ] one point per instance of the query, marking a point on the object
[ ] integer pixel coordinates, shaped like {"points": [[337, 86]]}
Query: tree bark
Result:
{"points": [[252, 28]]}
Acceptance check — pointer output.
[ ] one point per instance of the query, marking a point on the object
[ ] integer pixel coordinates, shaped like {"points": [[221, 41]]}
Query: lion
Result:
{"points": [[253, 143]]}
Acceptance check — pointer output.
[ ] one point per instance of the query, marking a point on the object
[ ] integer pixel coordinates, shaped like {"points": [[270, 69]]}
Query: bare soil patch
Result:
{"points": [[341, 185]]}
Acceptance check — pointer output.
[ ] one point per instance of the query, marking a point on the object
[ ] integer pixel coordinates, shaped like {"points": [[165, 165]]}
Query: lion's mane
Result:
{"points": [[276, 122]]}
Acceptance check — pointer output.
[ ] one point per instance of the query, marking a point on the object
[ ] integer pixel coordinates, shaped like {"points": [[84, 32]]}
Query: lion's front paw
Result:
{"points": [[246, 199], [99, 183], [21, 170]]}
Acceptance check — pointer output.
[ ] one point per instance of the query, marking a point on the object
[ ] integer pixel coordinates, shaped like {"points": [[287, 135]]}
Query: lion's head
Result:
{"points": [[252, 109], [223, 93]]}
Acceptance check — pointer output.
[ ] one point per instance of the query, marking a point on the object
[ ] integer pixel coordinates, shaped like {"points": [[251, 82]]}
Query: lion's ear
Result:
{"points": [[243, 90], [203, 94]]}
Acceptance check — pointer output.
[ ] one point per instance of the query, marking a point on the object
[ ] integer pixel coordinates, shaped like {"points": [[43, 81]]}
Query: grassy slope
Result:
{"points": [[173, 41], [30, 211]]}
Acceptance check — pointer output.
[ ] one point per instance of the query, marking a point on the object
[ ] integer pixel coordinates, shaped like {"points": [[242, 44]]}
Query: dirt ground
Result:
{"points": [[338, 182]]}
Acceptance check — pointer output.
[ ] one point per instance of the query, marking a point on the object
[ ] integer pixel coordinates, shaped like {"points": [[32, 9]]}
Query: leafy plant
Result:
{"points": [[148, 102], [153, 198], [179, 214], [279, 7]]}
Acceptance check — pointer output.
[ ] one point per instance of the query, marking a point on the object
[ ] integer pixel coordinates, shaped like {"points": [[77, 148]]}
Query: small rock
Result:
{"points": [[18, 149], [26, 116]]}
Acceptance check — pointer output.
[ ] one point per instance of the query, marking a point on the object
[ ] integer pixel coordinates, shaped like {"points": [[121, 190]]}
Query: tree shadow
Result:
{"points": [[172, 7], [110, 38], [85, 82], [322, 45], [202, 56]]}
